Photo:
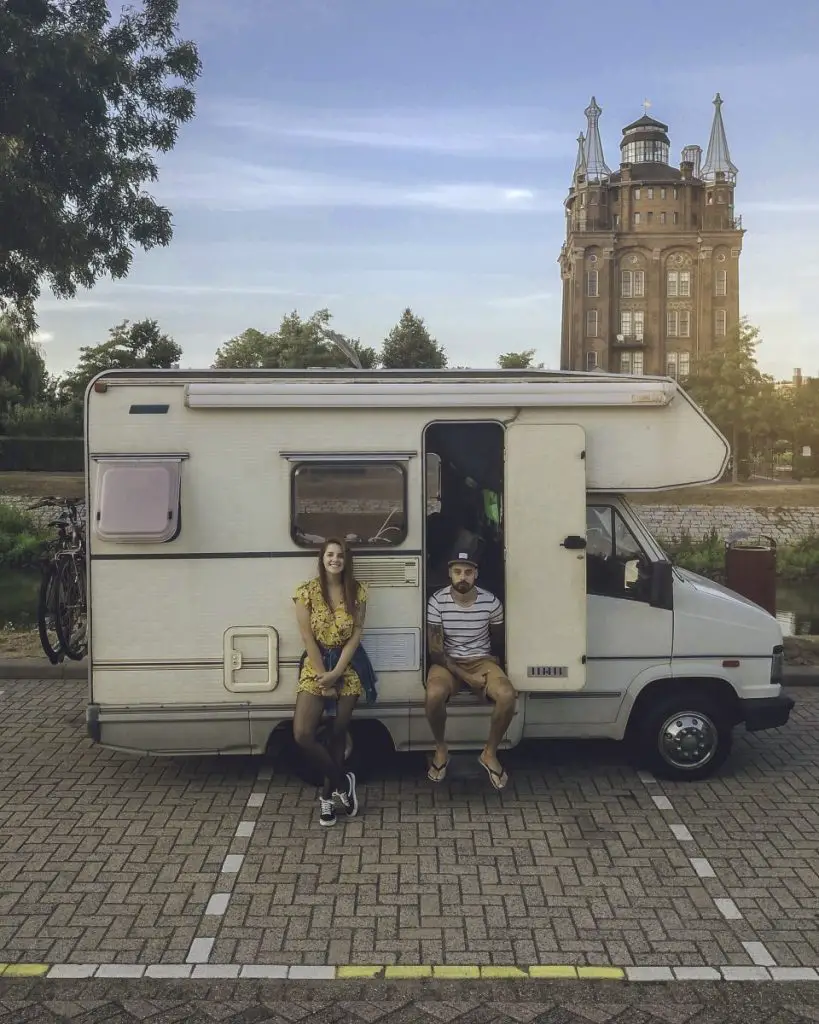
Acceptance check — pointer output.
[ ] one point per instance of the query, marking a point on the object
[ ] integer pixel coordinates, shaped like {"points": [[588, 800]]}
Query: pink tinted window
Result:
{"points": [[137, 501]]}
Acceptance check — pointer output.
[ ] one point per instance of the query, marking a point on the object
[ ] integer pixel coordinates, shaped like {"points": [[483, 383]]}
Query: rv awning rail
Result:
{"points": [[340, 394]]}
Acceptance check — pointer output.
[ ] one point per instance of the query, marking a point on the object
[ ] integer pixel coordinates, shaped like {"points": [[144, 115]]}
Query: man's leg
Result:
{"points": [[439, 689], [501, 692]]}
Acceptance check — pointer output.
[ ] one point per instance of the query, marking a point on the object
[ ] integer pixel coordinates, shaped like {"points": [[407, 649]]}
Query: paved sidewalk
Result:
{"points": [[209, 864]]}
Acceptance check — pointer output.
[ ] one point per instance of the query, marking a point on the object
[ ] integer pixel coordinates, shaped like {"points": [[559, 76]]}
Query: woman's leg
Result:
{"points": [[341, 723], [305, 723]]}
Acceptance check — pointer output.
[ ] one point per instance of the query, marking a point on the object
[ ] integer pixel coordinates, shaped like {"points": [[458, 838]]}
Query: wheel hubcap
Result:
{"points": [[688, 740]]}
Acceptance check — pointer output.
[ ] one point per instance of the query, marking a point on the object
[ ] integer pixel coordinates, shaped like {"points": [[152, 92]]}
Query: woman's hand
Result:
{"points": [[327, 681]]}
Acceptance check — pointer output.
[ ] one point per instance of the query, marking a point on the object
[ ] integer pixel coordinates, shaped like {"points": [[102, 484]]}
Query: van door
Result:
{"points": [[545, 537]]}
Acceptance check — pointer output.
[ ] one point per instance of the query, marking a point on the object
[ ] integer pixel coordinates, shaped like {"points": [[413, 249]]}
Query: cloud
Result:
{"points": [[214, 289], [76, 305], [235, 186], [499, 134], [43, 337]]}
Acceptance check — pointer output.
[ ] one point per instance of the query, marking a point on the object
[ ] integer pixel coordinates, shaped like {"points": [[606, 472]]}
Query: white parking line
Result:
{"points": [[759, 954], [256, 799], [200, 951], [244, 830], [729, 910], [217, 904], [703, 867], [232, 863], [662, 803], [681, 833]]}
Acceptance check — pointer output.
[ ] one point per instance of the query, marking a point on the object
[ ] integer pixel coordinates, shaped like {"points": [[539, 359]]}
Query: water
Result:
{"points": [[18, 598], [797, 603]]}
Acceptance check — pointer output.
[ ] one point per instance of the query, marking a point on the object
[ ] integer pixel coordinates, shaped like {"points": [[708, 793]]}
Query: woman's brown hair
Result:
{"points": [[349, 586]]}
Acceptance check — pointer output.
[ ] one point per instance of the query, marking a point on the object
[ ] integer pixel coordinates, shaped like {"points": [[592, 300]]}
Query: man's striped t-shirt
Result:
{"points": [[466, 627]]}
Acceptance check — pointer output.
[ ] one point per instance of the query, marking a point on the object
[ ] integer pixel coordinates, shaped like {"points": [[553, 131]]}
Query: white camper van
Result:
{"points": [[209, 491]]}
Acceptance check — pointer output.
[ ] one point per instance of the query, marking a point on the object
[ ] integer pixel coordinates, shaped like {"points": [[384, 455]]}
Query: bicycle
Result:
{"points": [[62, 615]]}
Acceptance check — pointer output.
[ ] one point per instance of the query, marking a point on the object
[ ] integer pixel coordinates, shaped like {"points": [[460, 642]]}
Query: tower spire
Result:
{"points": [[718, 157], [580, 165], [596, 169]]}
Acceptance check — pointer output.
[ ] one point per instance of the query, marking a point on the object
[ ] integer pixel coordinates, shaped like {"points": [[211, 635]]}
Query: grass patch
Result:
{"points": [[22, 539], [804, 495], [43, 485], [706, 557]]}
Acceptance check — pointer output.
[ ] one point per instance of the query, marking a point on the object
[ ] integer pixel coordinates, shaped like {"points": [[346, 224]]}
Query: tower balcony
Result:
{"points": [[635, 340]]}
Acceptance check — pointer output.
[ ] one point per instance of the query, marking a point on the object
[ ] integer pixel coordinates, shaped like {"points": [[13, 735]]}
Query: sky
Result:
{"points": [[369, 155]]}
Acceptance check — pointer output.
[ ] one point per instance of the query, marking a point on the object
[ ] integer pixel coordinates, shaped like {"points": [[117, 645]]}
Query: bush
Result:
{"points": [[44, 420], [22, 539], [707, 557], [42, 454]]}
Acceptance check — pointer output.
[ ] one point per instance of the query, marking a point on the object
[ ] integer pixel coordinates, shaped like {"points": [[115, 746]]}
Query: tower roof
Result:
{"points": [[718, 156], [645, 122], [580, 165], [596, 167]]}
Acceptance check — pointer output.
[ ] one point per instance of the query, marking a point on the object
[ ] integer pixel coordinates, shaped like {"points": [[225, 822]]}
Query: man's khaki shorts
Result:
{"points": [[492, 675]]}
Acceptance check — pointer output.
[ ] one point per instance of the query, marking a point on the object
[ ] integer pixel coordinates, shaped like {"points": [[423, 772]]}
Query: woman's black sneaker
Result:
{"points": [[327, 812], [348, 799]]}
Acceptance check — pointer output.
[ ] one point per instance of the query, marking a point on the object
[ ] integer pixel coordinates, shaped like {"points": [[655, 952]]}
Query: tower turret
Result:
{"points": [[718, 165], [596, 167]]}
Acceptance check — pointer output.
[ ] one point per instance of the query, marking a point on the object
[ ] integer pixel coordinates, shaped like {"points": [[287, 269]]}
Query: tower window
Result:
{"points": [[662, 218], [720, 322], [662, 193], [678, 365], [676, 193], [637, 193], [632, 323], [678, 284], [617, 220], [591, 323], [591, 361], [678, 324], [631, 363], [632, 284], [721, 283], [649, 193], [676, 217], [636, 219], [592, 284]]}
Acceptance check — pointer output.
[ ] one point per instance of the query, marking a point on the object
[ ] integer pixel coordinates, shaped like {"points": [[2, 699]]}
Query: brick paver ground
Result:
{"points": [[106, 858]]}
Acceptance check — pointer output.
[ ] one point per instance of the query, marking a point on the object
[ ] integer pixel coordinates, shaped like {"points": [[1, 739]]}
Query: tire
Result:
{"points": [[72, 622], [47, 615], [684, 736]]}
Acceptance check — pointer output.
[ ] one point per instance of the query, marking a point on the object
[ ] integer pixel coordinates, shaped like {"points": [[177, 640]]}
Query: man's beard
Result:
{"points": [[462, 586]]}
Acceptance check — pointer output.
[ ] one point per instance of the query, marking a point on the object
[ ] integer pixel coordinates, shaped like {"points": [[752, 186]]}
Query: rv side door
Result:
{"points": [[545, 538]]}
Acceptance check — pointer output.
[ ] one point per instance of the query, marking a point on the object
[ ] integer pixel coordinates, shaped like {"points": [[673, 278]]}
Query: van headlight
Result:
{"points": [[778, 666]]}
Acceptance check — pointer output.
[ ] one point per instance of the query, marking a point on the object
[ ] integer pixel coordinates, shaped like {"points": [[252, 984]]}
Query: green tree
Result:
{"points": [[140, 345], [297, 345], [22, 367], [409, 346], [732, 390], [84, 105], [519, 360]]}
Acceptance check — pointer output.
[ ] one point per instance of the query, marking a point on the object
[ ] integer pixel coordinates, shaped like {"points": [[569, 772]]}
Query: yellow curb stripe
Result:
{"points": [[355, 971], [25, 970], [407, 971], [503, 972], [455, 971], [3, 967], [607, 973], [552, 971]]}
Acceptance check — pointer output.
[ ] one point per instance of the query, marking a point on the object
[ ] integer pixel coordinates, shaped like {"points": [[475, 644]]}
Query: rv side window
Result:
{"points": [[361, 502], [137, 501], [613, 555]]}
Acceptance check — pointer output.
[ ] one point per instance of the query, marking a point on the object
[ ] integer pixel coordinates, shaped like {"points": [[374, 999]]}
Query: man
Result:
{"points": [[465, 626]]}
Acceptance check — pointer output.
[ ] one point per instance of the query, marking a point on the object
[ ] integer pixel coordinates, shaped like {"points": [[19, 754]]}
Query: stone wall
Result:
{"points": [[784, 525]]}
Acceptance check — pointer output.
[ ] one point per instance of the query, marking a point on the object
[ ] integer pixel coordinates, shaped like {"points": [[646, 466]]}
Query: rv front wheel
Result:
{"points": [[683, 736]]}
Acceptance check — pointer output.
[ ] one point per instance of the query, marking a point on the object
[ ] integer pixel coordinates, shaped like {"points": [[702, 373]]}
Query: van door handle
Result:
{"points": [[574, 543]]}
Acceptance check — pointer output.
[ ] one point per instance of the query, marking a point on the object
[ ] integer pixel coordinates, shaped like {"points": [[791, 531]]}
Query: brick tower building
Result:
{"points": [[650, 264]]}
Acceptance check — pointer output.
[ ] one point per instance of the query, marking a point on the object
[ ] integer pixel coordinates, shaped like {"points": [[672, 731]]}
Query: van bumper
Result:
{"points": [[766, 712]]}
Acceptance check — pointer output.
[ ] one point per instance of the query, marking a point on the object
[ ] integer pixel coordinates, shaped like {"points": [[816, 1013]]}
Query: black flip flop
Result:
{"points": [[440, 771], [496, 778]]}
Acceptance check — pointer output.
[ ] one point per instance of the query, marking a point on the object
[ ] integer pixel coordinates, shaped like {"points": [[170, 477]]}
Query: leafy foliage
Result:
{"points": [[297, 345], [410, 346], [129, 347], [22, 539], [84, 104], [519, 360], [22, 367]]}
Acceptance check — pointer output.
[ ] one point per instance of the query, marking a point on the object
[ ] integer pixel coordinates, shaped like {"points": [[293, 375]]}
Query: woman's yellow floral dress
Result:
{"points": [[331, 629]]}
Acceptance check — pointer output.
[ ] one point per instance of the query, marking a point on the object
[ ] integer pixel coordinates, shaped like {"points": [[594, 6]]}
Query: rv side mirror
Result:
{"points": [[662, 586]]}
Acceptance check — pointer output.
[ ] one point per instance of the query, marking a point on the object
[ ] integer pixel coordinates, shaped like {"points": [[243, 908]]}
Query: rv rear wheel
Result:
{"points": [[683, 736]]}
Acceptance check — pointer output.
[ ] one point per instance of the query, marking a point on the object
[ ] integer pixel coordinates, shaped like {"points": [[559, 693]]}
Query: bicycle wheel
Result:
{"points": [[47, 615], [72, 619]]}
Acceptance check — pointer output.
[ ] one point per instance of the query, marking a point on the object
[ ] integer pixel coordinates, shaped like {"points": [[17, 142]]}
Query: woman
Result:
{"points": [[330, 610]]}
